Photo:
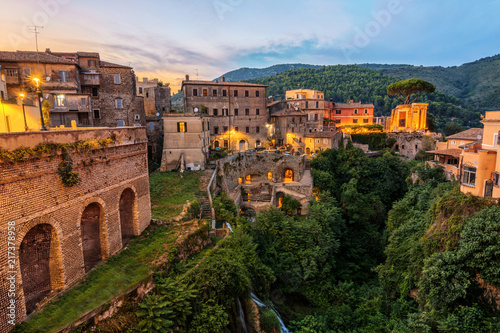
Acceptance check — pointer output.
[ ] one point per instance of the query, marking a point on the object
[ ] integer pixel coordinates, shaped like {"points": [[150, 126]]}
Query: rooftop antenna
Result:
{"points": [[35, 28]]}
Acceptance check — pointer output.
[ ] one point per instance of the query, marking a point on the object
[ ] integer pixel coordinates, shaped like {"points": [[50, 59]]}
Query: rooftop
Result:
{"points": [[348, 105], [455, 152], [470, 134], [222, 83], [323, 134], [30, 56]]}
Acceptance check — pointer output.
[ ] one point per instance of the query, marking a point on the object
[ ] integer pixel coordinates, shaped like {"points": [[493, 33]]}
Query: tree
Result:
{"points": [[404, 89]]}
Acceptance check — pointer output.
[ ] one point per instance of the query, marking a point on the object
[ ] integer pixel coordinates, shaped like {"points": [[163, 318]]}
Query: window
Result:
{"points": [[140, 90], [224, 92], [235, 112], [257, 112], [205, 92], [195, 92], [317, 105], [496, 179], [293, 120], [257, 129], [469, 176], [225, 128], [91, 63], [151, 126], [236, 93], [355, 120], [182, 126], [355, 111], [95, 92], [236, 128], [257, 93], [214, 92], [325, 141], [247, 93], [27, 73], [337, 121], [316, 117], [118, 103], [247, 129], [216, 129], [365, 120], [215, 112], [83, 101], [117, 79], [317, 140], [338, 111], [453, 142], [120, 123], [226, 144], [63, 76], [147, 95], [247, 112], [97, 114], [366, 111], [495, 140], [307, 104], [12, 72], [137, 117], [60, 100]]}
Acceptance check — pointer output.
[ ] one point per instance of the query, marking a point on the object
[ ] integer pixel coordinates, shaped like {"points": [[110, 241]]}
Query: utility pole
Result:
{"points": [[36, 32]]}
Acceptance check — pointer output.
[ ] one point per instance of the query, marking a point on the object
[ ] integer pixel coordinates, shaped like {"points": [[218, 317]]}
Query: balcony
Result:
{"points": [[91, 79]]}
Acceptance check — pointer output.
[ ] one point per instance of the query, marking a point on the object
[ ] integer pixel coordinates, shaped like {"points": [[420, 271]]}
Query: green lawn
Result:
{"points": [[169, 192]]}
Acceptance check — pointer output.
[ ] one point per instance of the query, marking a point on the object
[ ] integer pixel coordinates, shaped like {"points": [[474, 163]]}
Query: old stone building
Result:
{"points": [[237, 111], [141, 85], [319, 141], [57, 232], [288, 127], [157, 102], [312, 102], [186, 141]]}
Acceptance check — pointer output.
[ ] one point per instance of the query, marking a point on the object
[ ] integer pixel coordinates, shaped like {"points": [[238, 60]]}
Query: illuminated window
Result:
{"points": [[182, 127], [60, 100], [240, 180], [288, 175], [270, 175], [247, 112], [205, 92], [248, 179]]}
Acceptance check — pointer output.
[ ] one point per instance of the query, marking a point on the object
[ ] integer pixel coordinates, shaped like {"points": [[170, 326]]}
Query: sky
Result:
{"points": [[168, 39]]}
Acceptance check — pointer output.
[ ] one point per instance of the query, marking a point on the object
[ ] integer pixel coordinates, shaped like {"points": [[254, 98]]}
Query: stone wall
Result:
{"points": [[57, 225], [408, 144]]}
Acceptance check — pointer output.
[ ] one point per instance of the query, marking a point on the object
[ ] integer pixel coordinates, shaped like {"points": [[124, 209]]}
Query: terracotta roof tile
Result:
{"points": [[470, 134], [110, 64], [225, 83], [30, 56], [455, 152]]}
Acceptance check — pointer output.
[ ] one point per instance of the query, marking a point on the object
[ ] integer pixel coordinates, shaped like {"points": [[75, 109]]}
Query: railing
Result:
{"points": [[210, 196]]}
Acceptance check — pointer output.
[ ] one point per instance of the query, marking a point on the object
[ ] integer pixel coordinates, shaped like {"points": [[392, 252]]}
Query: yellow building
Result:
{"points": [[409, 118], [312, 102], [480, 164]]}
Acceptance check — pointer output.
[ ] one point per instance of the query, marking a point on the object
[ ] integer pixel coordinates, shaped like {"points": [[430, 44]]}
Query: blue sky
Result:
{"points": [[169, 38]]}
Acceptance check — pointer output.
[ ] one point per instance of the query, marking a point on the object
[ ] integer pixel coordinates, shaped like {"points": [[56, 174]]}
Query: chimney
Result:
{"points": [[187, 77], [222, 79], [47, 50]]}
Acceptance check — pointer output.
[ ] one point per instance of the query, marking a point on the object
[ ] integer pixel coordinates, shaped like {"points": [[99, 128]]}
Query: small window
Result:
{"points": [[355, 120], [117, 79], [97, 114], [365, 120], [182, 126], [236, 93], [225, 112], [270, 175], [91, 63], [355, 111], [257, 129], [257, 93], [215, 112], [195, 92], [214, 92], [247, 129], [140, 90], [137, 117], [83, 101], [120, 123], [27, 73], [147, 94], [205, 92], [247, 93], [257, 112], [338, 111], [216, 129], [224, 93], [316, 117], [317, 105], [235, 112], [366, 111], [307, 104], [118, 103], [63, 76], [247, 112], [12, 72], [225, 128], [317, 140], [236, 129], [95, 92], [325, 141], [151, 126], [496, 179], [469, 176], [453, 142]]}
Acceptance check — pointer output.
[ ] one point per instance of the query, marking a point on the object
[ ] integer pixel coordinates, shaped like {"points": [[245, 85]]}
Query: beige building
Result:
{"points": [[186, 141], [312, 102], [319, 141], [141, 85], [288, 127], [237, 111]]}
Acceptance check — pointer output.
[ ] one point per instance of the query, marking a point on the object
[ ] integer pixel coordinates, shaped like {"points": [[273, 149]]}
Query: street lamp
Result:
{"points": [[40, 98], [24, 113]]}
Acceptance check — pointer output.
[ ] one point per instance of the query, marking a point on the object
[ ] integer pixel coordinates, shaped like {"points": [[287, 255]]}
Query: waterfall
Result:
{"points": [[241, 315], [260, 304]]}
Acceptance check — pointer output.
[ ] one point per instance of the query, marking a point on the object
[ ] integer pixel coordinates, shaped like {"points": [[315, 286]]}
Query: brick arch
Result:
{"points": [[246, 206], [92, 223], [288, 174], [127, 205], [40, 263]]}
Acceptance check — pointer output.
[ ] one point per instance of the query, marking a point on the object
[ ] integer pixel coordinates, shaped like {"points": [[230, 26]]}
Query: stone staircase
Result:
{"points": [[206, 212]]}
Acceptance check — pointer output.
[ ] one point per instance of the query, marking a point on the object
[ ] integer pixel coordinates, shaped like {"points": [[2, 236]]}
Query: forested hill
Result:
{"points": [[246, 73], [345, 82], [476, 83]]}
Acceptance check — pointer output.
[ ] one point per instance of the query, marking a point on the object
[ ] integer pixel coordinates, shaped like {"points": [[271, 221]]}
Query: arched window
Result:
{"points": [[288, 175], [91, 241], [127, 215]]}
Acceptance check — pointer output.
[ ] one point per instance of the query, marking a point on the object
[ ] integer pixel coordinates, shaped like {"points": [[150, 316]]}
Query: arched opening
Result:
{"points": [[216, 144], [288, 175], [91, 240], [127, 215], [240, 180], [248, 212], [242, 145], [40, 262], [270, 175], [257, 143], [308, 151], [279, 199], [248, 179]]}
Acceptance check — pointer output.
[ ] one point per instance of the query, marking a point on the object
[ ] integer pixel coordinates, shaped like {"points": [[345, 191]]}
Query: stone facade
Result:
{"points": [[310, 101], [67, 230], [186, 139], [319, 141], [157, 101], [288, 126], [409, 144], [237, 110]]}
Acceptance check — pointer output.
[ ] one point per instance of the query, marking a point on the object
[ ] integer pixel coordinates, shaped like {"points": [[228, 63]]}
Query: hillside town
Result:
{"points": [[80, 138]]}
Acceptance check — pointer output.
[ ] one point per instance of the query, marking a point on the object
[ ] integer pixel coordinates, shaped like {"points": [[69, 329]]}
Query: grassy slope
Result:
{"points": [[123, 271]]}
